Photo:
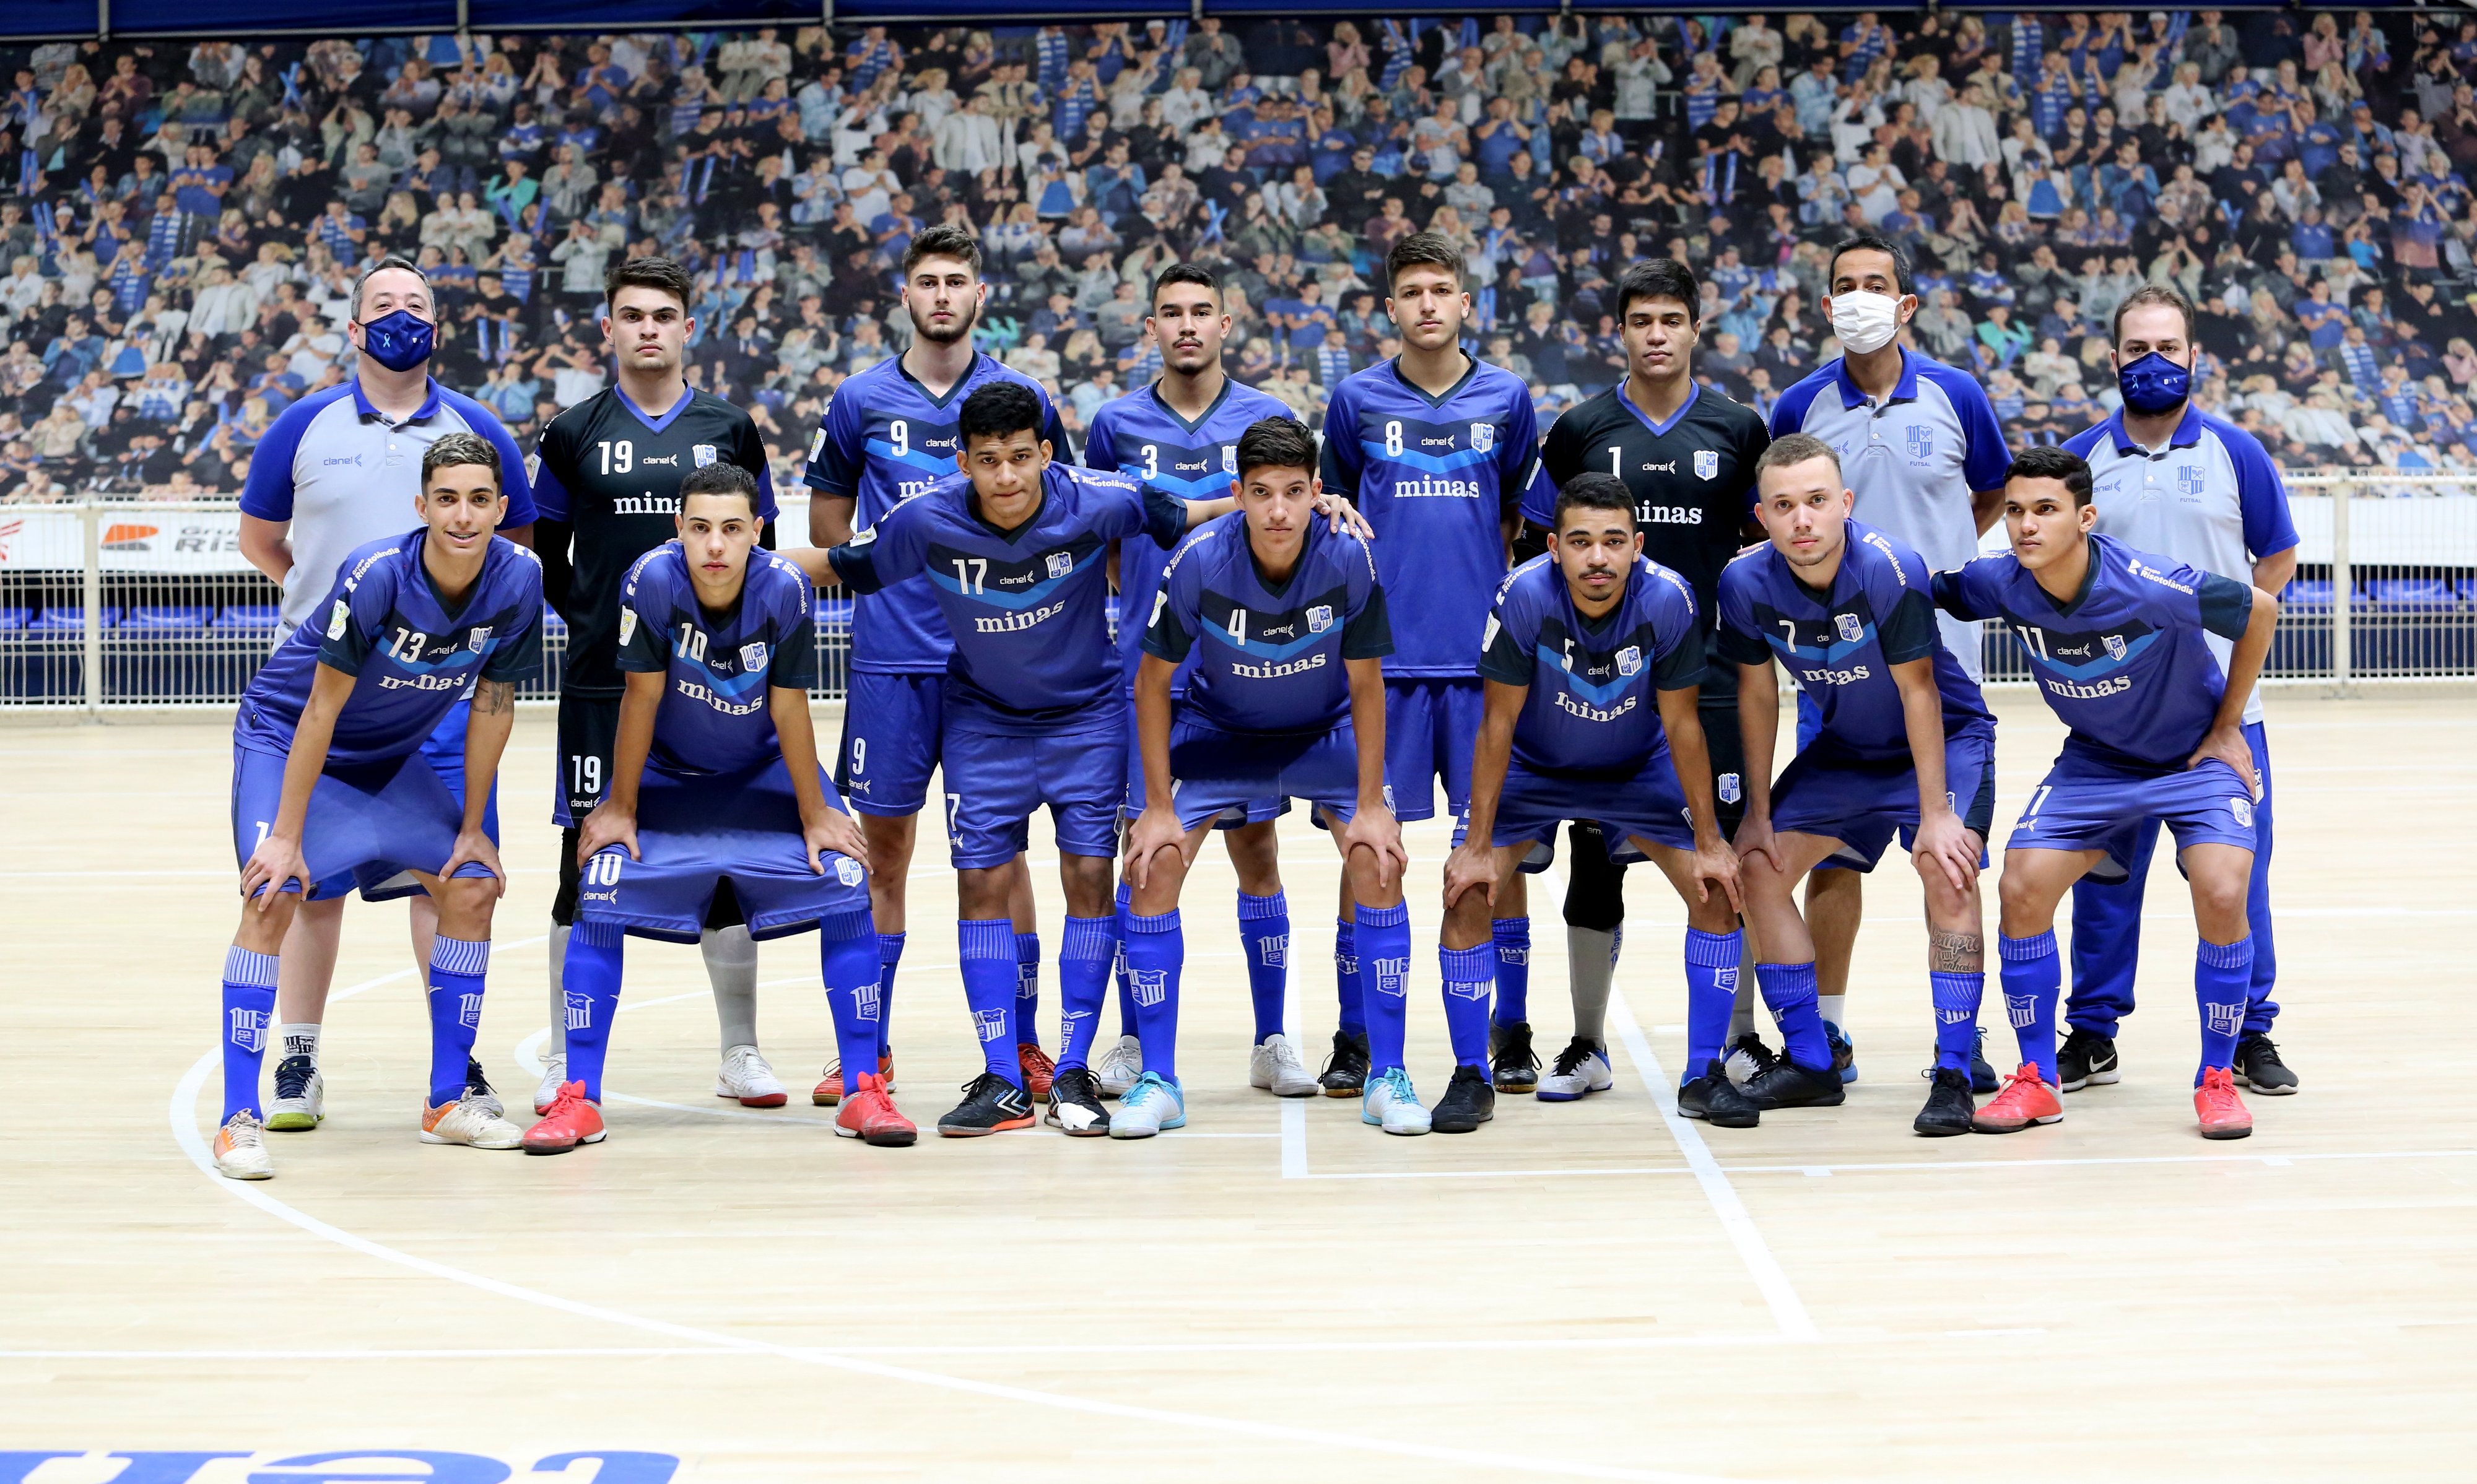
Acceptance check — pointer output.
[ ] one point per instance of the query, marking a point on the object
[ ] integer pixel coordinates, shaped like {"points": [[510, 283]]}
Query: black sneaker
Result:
{"points": [[1981, 1072], [1785, 1084], [1950, 1108], [1757, 1056], [1468, 1102], [990, 1103], [2258, 1067], [1716, 1099], [477, 1087], [2088, 1058], [1508, 1051], [1075, 1105], [1345, 1070]]}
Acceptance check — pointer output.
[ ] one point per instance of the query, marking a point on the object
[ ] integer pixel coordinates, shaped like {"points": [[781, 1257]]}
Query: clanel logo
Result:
{"points": [[1151, 986], [354, 460]]}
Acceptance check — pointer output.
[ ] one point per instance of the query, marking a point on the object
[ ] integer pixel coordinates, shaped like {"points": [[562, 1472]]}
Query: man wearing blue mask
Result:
{"points": [[334, 472], [2170, 478]]}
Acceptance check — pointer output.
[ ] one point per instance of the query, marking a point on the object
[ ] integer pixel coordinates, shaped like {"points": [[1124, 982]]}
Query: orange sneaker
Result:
{"points": [[870, 1116], [2025, 1099], [2221, 1111], [829, 1090], [572, 1120], [1039, 1071]]}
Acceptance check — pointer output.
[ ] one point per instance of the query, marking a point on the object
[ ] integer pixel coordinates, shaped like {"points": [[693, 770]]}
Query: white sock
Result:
{"points": [[731, 963], [1591, 963], [300, 1038], [1830, 1008], [558, 989], [1741, 1015]]}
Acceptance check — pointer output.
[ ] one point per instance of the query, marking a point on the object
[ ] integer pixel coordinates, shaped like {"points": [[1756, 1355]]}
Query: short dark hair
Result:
{"points": [[461, 448], [1869, 242], [1276, 442], [660, 273], [2048, 462], [1795, 448], [999, 409], [943, 241], [1195, 273], [720, 478], [1425, 250], [388, 264], [1661, 278], [1592, 492], [2147, 294]]}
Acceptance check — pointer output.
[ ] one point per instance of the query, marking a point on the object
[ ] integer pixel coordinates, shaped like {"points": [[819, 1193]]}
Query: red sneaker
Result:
{"points": [[2024, 1101], [1039, 1071], [572, 1120], [870, 1116], [2221, 1111], [829, 1091]]}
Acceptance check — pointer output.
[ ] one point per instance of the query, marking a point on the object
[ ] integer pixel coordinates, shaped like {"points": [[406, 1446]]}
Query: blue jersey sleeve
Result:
{"points": [[1517, 457], [895, 548], [2226, 604], [2261, 499], [1904, 621], [1735, 637], [1678, 633], [1171, 632], [1100, 440], [550, 495], [1344, 460], [645, 617], [518, 656], [356, 613], [1367, 633], [1512, 634], [793, 664], [834, 452], [1969, 591]]}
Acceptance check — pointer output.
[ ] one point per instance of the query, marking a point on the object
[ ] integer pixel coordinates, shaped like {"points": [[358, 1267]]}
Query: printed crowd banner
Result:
{"points": [[135, 538]]}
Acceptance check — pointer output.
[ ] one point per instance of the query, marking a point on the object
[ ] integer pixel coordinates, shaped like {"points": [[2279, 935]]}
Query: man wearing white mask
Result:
{"points": [[1919, 443]]}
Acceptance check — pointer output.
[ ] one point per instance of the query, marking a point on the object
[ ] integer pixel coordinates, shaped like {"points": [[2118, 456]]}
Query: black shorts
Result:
{"points": [[588, 731]]}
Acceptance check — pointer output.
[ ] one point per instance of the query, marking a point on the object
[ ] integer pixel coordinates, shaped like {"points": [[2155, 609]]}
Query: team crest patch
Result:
{"points": [[2022, 1010], [1320, 618], [481, 639], [989, 1024], [1851, 630], [1732, 787], [1150, 986], [1060, 563], [2242, 810], [2114, 643], [2226, 1020], [848, 870], [1707, 463], [1920, 441], [339, 620], [706, 452], [1630, 659], [627, 624], [864, 1002], [1230, 460], [752, 656], [249, 1031], [1482, 436], [2189, 481]]}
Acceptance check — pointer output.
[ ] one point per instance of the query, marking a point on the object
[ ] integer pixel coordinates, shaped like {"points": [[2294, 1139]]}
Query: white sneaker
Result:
{"points": [[554, 1077], [1154, 1104], [1120, 1068], [300, 1096], [1582, 1067], [1275, 1067], [240, 1149], [468, 1120], [745, 1075], [1392, 1104]]}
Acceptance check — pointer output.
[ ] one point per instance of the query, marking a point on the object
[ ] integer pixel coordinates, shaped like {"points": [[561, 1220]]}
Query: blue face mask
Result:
{"points": [[2154, 385], [398, 341]]}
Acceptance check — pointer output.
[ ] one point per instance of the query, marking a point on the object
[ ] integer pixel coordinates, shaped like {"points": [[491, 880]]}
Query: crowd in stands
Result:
{"points": [[181, 224]]}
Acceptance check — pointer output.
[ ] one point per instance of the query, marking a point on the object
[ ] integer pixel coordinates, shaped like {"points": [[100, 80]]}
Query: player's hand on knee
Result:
{"points": [[1946, 845], [1756, 842], [1716, 862], [275, 861], [2227, 744], [473, 847], [1377, 830], [1154, 829], [1471, 867], [607, 826], [832, 829]]}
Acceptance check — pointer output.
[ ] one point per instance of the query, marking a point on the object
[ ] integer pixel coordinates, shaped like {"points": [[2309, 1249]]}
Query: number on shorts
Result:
{"points": [[586, 773], [954, 819], [603, 870], [261, 835], [2038, 797], [1394, 440], [860, 756]]}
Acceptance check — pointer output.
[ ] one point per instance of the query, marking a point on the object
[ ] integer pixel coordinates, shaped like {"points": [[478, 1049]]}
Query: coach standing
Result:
{"points": [[337, 469], [2170, 478]]}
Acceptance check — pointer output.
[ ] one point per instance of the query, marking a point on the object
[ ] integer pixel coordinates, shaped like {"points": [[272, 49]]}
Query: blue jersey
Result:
{"points": [[714, 716], [412, 656], [1032, 639], [883, 440], [2126, 664], [1140, 437], [1591, 713], [1271, 660], [1436, 476], [1840, 646]]}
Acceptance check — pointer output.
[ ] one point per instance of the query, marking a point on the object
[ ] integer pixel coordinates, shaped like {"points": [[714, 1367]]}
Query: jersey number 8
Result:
{"points": [[1394, 440]]}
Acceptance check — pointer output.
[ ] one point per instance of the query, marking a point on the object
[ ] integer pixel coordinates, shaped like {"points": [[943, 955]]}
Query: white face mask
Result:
{"points": [[1866, 323]]}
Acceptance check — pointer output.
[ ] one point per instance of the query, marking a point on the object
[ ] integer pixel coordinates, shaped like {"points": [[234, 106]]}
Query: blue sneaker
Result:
{"points": [[1393, 1105], [1154, 1104], [1844, 1052]]}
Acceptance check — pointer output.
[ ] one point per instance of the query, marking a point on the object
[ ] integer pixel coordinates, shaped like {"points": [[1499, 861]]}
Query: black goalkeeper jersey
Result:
{"points": [[611, 473]]}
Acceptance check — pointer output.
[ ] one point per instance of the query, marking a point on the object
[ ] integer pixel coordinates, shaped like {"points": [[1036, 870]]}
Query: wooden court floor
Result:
{"points": [[1593, 1290]]}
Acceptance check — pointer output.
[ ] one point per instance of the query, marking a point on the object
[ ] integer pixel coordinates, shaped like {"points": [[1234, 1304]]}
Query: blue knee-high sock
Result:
{"points": [[1346, 982], [589, 983], [456, 969], [1084, 961], [1513, 939], [1956, 1005], [889, 958], [851, 961], [1118, 966], [1385, 955], [1156, 953], [1265, 928], [249, 1013], [2223, 982], [1711, 994], [2033, 983], [1788, 993], [1027, 989], [1469, 975], [989, 980]]}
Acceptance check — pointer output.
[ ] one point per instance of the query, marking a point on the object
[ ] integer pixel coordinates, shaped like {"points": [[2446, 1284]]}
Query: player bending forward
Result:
{"points": [[716, 787], [1904, 743], [328, 776], [2118, 639], [1286, 699], [1592, 659]]}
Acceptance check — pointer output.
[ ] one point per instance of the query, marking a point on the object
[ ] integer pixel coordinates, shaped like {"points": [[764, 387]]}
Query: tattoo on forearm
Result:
{"points": [[492, 697], [1956, 952]]}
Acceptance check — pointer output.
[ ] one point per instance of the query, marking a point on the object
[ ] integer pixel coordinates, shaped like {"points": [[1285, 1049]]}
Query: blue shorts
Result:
{"points": [[1863, 804], [367, 823], [1648, 803], [2079, 806], [1254, 811], [1218, 773], [994, 784], [892, 725], [693, 833], [1430, 726]]}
